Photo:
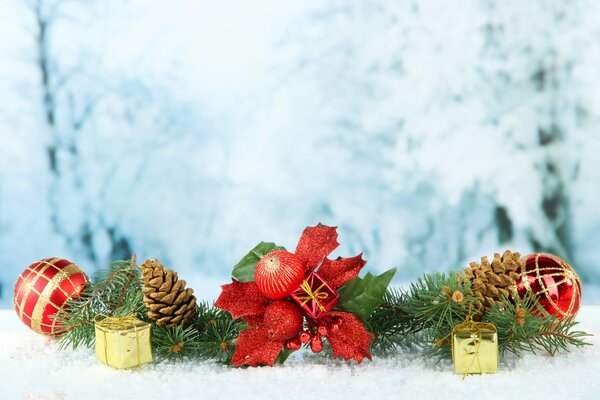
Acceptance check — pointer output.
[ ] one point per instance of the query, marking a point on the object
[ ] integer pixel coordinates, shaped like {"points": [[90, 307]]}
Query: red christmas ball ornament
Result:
{"points": [[42, 290], [293, 344], [555, 284], [333, 327], [305, 337], [283, 320], [278, 274], [322, 329], [338, 320], [316, 344]]}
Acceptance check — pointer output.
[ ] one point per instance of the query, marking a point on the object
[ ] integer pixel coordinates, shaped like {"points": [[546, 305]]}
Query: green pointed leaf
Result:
{"points": [[244, 270], [285, 353], [361, 296]]}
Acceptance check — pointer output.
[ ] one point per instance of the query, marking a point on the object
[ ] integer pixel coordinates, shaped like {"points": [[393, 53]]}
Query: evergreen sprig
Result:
{"points": [[424, 316], [117, 292], [523, 326], [392, 323], [420, 317], [113, 292], [217, 342], [174, 343]]}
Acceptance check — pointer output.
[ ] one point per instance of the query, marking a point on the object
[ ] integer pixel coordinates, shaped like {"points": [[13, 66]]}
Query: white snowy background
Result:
{"points": [[431, 132]]}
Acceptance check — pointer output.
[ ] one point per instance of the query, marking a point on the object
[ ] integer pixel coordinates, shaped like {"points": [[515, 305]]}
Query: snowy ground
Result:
{"points": [[31, 367]]}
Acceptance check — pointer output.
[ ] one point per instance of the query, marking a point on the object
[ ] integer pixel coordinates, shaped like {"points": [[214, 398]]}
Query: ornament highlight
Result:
{"points": [[555, 284], [278, 274], [42, 290]]}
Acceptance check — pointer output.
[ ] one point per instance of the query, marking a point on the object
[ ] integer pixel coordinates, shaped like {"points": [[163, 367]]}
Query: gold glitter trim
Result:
{"points": [[563, 269], [30, 285], [44, 297]]}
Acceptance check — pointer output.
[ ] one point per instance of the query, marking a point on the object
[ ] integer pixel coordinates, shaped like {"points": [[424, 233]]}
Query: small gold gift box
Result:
{"points": [[475, 348], [123, 342]]}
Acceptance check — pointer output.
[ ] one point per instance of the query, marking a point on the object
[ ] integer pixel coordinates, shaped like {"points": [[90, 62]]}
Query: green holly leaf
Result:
{"points": [[361, 296], [283, 355], [244, 270]]}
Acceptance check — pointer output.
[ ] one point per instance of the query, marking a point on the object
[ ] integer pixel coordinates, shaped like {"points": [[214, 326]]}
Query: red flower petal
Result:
{"points": [[242, 299], [254, 348], [316, 243], [338, 272], [253, 320], [351, 340]]}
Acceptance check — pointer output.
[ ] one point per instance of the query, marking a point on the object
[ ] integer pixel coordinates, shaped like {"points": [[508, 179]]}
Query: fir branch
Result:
{"points": [[523, 327], [391, 323], [431, 300], [217, 342], [207, 314], [174, 343], [422, 316], [216, 332], [113, 292]]}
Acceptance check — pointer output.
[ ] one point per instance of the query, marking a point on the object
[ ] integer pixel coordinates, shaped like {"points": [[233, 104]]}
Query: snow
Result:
{"points": [[32, 367]]}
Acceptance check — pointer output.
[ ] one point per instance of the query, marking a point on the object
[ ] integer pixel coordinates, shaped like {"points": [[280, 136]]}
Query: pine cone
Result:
{"points": [[491, 283], [169, 303]]}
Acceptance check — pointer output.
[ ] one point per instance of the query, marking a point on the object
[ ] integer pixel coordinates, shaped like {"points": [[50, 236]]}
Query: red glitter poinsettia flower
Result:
{"points": [[274, 324]]}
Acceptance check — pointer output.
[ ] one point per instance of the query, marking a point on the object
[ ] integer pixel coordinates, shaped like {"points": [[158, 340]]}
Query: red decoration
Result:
{"points": [[283, 320], [242, 299], [351, 341], [322, 329], [305, 337], [316, 344], [278, 274], [315, 244], [333, 327], [254, 348], [315, 296], [554, 282], [274, 324], [293, 344], [42, 290], [337, 272]]}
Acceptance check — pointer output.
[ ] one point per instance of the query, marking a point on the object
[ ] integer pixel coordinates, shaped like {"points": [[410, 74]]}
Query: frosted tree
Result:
{"points": [[532, 84], [69, 99], [452, 115], [383, 85], [575, 110]]}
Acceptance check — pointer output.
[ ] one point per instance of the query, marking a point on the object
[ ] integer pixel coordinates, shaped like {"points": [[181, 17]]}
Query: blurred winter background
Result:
{"points": [[431, 132]]}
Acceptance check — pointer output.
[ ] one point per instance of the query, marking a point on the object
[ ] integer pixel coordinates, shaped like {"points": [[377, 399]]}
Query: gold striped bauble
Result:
{"points": [[554, 283], [42, 290]]}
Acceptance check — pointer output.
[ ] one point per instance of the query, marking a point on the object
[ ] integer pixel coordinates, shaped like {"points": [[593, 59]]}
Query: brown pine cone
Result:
{"points": [[492, 282], [168, 301]]}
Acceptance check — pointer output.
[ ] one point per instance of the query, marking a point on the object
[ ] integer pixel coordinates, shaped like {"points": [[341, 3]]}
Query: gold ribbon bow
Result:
{"points": [[317, 295], [117, 323]]}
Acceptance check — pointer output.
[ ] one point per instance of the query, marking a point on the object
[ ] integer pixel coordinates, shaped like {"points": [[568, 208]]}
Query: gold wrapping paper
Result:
{"points": [[475, 348], [123, 342]]}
